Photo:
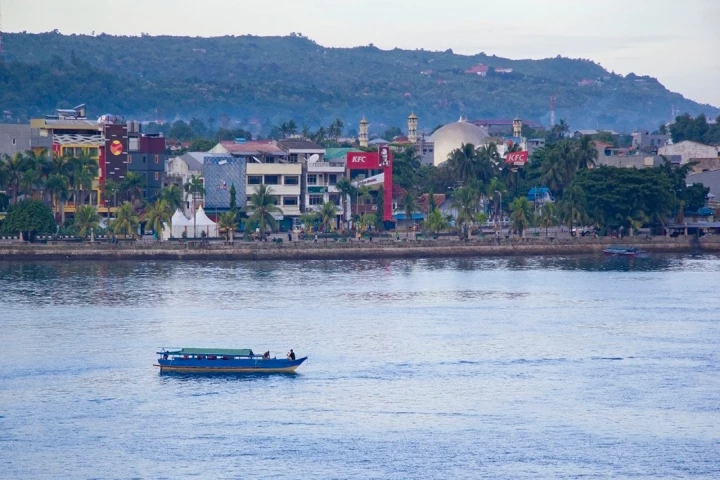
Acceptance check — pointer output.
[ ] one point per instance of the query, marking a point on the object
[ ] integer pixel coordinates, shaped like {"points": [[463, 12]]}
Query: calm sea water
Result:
{"points": [[494, 368]]}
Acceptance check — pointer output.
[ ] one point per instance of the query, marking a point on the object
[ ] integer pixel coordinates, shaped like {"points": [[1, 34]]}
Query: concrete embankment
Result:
{"points": [[340, 251]]}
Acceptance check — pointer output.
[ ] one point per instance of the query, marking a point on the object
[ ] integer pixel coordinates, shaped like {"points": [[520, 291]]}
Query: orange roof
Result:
{"points": [[267, 147]]}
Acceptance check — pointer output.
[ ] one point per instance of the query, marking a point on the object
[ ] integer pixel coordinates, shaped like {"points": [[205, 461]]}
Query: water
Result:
{"points": [[494, 368]]}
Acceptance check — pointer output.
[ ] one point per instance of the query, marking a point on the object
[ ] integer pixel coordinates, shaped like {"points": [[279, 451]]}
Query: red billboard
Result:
{"points": [[382, 161], [516, 158]]}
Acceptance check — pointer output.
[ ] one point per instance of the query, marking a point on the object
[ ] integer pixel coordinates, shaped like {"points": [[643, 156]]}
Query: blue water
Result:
{"points": [[583, 367]]}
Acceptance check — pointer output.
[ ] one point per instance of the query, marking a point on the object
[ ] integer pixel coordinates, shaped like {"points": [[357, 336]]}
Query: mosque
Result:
{"points": [[435, 149]]}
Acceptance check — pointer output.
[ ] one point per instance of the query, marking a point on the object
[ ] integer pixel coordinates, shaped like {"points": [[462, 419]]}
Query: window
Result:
{"points": [[289, 201], [157, 158], [292, 180], [254, 179], [316, 199], [293, 158], [335, 199], [312, 179], [157, 175], [247, 200], [14, 141], [129, 158], [144, 158], [332, 179], [272, 179]]}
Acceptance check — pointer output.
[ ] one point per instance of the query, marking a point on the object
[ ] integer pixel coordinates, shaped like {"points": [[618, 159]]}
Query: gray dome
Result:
{"points": [[453, 136]]}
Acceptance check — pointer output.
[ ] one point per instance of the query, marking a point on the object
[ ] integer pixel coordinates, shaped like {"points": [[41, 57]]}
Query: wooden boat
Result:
{"points": [[620, 250], [223, 360]]}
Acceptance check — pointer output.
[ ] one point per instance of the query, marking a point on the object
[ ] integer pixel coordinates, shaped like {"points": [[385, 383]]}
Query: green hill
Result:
{"points": [[277, 78]]}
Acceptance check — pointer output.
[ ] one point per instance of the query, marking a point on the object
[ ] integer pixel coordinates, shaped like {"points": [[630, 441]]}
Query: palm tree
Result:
{"points": [[409, 207], [126, 222], [464, 199], [307, 220], [14, 168], [585, 152], [328, 213], [291, 128], [363, 194], [367, 221], [463, 162], [336, 128], [320, 136], [346, 189], [110, 190], [133, 186], [548, 216], [262, 204], [521, 214], [487, 162], [157, 216], [173, 196], [436, 222], [495, 189], [571, 208], [86, 220], [57, 185], [228, 224]]}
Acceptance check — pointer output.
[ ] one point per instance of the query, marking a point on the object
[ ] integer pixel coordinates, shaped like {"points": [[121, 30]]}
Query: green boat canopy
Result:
{"points": [[241, 352]]}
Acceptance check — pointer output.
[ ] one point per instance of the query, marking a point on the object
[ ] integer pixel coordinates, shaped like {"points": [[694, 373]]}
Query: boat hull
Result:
{"points": [[229, 366]]}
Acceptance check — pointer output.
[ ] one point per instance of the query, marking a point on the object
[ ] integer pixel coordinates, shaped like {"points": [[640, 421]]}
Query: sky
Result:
{"points": [[676, 41]]}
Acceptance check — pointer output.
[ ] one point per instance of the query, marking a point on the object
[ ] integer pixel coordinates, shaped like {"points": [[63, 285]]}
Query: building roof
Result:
{"points": [[195, 160], [299, 144], [378, 141], [75, 123], [501, 122], [338, 154], [455, 135], [253, 147], [423, 201]]}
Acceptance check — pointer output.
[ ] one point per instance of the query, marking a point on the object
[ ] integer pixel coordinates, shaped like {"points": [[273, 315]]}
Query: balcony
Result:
{"points": [[326, 167]]}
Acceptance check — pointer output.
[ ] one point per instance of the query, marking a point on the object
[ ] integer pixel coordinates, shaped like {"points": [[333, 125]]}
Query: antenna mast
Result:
{"points": [[552, 111], [2, 51]]}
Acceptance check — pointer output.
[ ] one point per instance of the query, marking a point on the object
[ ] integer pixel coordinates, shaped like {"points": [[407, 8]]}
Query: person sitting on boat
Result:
{"points": [[291, 354], [266, 355]]}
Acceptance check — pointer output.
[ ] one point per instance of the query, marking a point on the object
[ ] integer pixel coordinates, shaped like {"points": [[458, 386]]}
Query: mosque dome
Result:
{"points": [[453, 136]]}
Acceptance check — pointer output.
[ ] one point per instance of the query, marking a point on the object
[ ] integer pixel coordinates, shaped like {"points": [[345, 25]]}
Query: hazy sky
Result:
{"points": [[677, 41]]}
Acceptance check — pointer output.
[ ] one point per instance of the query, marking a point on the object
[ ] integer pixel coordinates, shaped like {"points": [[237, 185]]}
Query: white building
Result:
{"points": [[689, 151], [453, 136]]}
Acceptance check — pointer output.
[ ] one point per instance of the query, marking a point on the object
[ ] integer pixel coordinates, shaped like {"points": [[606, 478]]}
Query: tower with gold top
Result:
{"points": [[412, 128], [363, 137], [517, 127]]}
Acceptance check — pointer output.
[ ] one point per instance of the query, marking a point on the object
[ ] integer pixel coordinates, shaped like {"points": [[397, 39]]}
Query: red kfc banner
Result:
{"points": [[515, 158], [380, 160]]}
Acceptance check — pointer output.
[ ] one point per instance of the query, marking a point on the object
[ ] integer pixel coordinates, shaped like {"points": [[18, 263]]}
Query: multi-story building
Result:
{"points": [[146, 157], [690, 151], [643, 140], [21, 138], [318, 176]]}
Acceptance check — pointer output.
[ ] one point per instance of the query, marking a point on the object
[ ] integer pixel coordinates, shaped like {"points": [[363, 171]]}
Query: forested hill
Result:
{"points": [[277, 78]]}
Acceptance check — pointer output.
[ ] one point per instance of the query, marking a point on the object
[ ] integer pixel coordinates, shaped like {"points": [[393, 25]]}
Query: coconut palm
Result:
{"points": [[548, 216], [572, 208], [110, 190], [86, 219], [327, 214], [307, 220], [14, 167], [464, 200], [133, 186], [410, 206], [173, 196], [126, 221], [521, 214], [57, 185], [346, 189], [463, 162], [262, 205], [363, 194], [436, 222], [585, 152], [157, 216], [367, 221], [228, 224], [495, 190]]}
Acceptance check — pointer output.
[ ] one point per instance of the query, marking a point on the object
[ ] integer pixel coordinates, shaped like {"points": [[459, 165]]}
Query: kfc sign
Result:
{"points": [[516, 158], [362, 159]]}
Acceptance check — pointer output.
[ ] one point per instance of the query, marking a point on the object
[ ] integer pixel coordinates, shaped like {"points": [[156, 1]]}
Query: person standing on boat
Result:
{"points": [[291, 354]]}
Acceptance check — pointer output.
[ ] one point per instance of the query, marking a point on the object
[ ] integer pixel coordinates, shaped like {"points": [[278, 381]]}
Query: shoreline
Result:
{"points": [[349, 251]]}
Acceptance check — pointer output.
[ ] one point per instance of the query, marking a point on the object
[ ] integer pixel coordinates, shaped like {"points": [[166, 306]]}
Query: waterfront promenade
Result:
{"points": [[331, 250]]}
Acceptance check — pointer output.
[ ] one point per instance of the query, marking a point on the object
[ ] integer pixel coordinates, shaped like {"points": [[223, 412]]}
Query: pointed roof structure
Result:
{"points": [[180, 220], [201, 219]]}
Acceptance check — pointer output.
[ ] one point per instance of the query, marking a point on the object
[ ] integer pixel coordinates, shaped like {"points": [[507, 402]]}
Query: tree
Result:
{"points": [[29, 217], [173, 196], [57, 185], [572, 208], [233, 199], [307, 220], [547, 217], [228, 223], [585, 152], [202, 145], [367, 221], [520, 215], [405, 165], [13, 169], [328, 213], [86, 219], [464, 200], [196, 188], [347, 190], [436, 222], [181, 131], [157, 216], [109, 191], [391, 133], [464, 163], [133, 186], [262, 205], [126, 221], [409, 207]]}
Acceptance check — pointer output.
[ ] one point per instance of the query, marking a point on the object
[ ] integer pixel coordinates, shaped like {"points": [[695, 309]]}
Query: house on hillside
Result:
{"points": [[478, 69]]}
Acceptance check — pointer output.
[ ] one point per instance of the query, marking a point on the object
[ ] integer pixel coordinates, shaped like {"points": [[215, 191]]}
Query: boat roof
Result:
{"points": [[242, 352]]}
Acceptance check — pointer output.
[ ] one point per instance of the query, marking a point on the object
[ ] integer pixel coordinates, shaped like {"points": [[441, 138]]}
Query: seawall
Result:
{"points": [[339, 251]]}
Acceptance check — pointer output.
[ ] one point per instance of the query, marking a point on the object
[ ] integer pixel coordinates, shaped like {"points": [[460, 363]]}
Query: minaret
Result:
{"points": [[363, 137], [517, 127], [412, 128]]}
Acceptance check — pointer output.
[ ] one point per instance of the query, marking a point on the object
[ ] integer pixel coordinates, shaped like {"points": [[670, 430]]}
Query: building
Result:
{"points": [[179, 170], [16, 138], [146, 157], [610, 156], [268, 164], [689, 150], [318, 176], [453, 136], [478, 69], [709, 179], [501, 126], [220, 174], [583, 133], [644, 139]]}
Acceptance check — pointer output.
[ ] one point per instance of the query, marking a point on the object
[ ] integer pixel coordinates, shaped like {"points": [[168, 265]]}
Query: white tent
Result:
{"points": [[204, 224], [179, 224]]}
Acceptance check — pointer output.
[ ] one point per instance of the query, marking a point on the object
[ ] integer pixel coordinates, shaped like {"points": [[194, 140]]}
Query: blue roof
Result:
{"points": [[415, 216]]}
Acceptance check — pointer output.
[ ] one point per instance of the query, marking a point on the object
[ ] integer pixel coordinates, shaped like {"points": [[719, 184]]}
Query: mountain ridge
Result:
{"points": [[275, 78]]}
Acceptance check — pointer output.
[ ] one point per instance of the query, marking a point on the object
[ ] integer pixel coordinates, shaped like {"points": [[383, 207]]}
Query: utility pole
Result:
{"points": [[2, 49]]}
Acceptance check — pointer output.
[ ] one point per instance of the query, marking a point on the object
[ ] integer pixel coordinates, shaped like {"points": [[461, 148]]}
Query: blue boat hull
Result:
{"points": [[243, 365]]}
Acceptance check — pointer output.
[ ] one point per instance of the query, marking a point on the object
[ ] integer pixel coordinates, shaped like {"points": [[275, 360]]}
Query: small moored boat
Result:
{"points": [[223, 360], [621, 250]]}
